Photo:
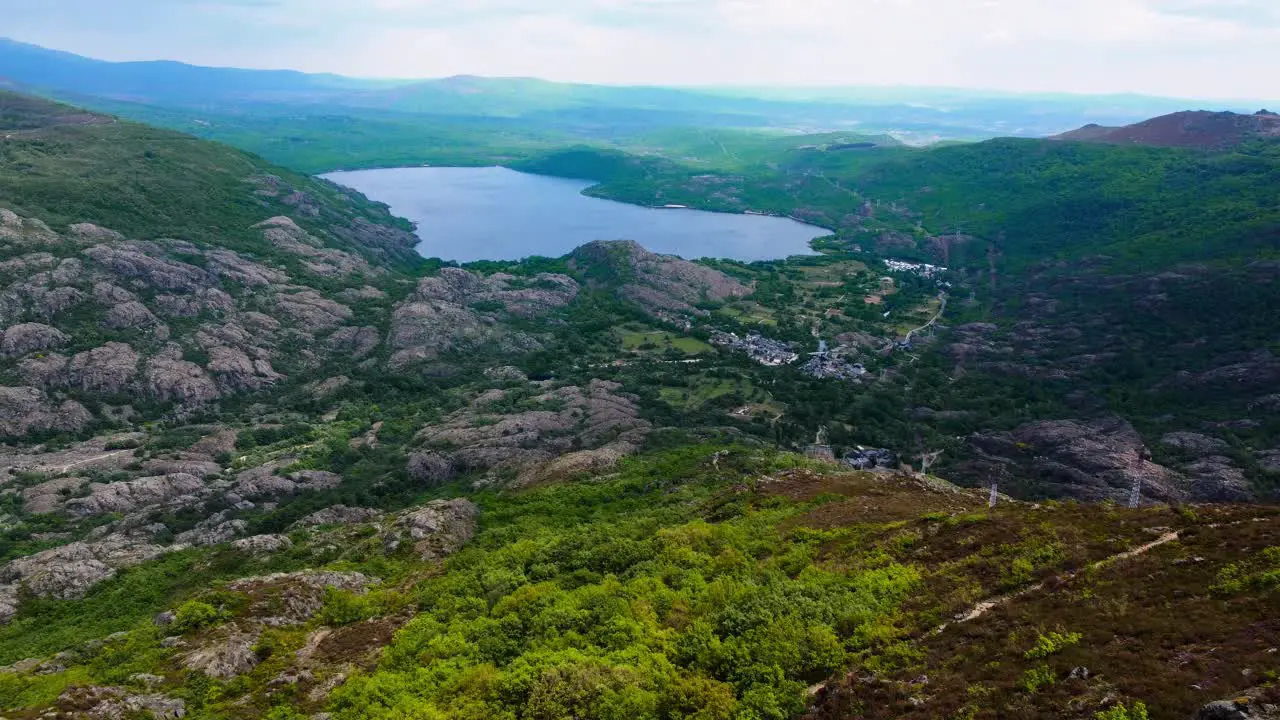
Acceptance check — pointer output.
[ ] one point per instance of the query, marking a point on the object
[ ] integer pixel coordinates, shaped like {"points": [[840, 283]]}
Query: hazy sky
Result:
{"points": [[1201, 48]]}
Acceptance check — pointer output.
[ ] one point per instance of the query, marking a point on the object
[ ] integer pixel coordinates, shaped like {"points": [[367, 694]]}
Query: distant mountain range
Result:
{"points": [[921, 114]]}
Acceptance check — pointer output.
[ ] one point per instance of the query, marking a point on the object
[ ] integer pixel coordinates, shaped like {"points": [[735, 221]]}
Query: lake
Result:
{"points": [[467, 214]]}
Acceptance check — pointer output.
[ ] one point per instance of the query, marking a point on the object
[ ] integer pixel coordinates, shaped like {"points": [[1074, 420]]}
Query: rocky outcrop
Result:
{"points": [[430, 469], [134, 495], [310, 311], [1247, 706], [574, 419], [236, 371], [132, 262], [107, 369], [354, 342], [284, 234], [459, 310], [288, 599], [226, 657], [1217, 479], [111, 703], [169, 378], [1194, 443], [24, 410], [214, 531], [506, 373], [27, 338], [48, 496], [68, 572], [1087, 460], [262, 544], [661, 284], [437, 530], [339, 515], [130, 315], [263, 482]]}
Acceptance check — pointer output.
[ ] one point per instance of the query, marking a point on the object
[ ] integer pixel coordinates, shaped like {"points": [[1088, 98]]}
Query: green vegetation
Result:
{"points": [[1052, 644], [149, 183], [1119, 712]]}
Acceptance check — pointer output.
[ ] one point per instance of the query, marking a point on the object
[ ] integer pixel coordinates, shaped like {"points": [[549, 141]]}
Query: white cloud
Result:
{"points": [[1209, 48]]}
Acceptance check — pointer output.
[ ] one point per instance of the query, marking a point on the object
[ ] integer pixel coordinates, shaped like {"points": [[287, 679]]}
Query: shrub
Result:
{"points": [[1038, 677], [1052, 644], [1120, 712], [193, 615], [342, 607]]}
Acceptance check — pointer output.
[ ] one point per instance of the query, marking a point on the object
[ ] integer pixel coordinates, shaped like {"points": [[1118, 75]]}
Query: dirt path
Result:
{"points": [[990, 604], [986, 606], [95, 459]]}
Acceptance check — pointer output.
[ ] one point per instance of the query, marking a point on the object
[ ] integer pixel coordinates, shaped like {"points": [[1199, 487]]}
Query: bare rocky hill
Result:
{"points": [[1196, 129]]}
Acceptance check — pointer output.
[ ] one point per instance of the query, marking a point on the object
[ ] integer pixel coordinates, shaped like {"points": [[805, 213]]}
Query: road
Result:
{"points": [[942, 298]]}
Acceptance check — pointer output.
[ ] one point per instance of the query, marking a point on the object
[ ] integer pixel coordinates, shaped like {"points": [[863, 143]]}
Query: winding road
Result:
{"points": [[942, 298]]}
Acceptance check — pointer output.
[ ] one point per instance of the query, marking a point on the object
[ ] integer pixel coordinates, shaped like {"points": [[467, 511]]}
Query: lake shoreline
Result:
{"points": [[475, 213]]}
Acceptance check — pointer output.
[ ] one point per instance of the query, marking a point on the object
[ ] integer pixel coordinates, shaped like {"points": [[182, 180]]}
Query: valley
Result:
{"points": [[382, 444]]}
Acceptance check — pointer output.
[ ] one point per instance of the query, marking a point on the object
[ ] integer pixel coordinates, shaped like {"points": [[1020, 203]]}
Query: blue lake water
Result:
{"points": [[467, 214]]}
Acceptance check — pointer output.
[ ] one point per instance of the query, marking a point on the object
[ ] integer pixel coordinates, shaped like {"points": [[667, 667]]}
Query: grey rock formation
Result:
{"points": [[339, 515], [442, 314], [1217, 479], [1243, 708], [354, 342], [575, 419], [1194, 443], [24, 410], [107, 369], [284, 233], [211, 300], [310, 311], [169, 378], [69, 571], [226, 657], [1088, 460], [506, 373], [27, 338], [262, 544], [439, 529], [130, 315], [134, 495], [213, 532], [135, 261], [44, 371], [430, 469], [111, 703], [48, 496], [236, 371], [263, 481]]}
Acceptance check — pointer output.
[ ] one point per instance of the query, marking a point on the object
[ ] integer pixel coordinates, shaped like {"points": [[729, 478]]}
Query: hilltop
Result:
{"points": [[1190, 129]]}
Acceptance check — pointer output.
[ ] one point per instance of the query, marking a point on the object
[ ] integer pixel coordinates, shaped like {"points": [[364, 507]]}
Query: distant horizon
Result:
{"points": [[738, 87], [1212, 50]]}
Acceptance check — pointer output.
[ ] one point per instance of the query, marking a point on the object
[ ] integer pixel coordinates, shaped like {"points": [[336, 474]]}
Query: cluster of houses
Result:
{"points": [[922, 269], [828, 365], [759, 348]]}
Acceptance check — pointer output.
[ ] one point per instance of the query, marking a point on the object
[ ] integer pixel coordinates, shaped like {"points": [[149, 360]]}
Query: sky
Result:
{"points": [[1179, 48]]}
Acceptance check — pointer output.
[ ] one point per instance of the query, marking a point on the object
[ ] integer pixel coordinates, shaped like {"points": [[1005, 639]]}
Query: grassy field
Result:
{"points": [[644, 339]]}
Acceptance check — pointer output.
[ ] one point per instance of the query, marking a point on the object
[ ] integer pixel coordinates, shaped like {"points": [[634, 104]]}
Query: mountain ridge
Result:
{"points": [[1191, 129]]}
